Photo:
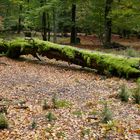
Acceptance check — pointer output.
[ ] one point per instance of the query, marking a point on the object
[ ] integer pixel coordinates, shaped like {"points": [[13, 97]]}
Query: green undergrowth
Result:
{"points": [[111, 64], [3, 121]]}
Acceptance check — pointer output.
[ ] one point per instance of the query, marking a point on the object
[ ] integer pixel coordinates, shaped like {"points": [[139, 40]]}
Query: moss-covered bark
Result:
{"points": [[3, 47], [105, 63]]}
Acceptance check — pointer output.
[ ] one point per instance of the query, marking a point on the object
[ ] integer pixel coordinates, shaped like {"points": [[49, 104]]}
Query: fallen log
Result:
{"points": [[104, 63], [3, 46]]}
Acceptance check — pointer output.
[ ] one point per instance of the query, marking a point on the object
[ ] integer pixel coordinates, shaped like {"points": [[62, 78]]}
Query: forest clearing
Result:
{"points": [[69, 71]]}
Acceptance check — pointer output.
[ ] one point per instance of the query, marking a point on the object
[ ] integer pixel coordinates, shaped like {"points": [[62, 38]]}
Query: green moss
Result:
{"points": [[17, 47], [63, 104], [116, 65], [69, 51], [88, 60], [103, 62]]}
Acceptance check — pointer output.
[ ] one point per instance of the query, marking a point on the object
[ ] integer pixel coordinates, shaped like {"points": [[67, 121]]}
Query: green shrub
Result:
{"points": [[50, 117], [138, 81], [124, 94], [131, 52], [54, 101], [34, 124], [60, 103], [106, 114], [3, 121], [77, 113], [136, 94]]}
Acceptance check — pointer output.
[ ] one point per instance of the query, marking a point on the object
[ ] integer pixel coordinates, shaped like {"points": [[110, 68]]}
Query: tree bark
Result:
{"points": [[108, 23], [49, 30], [73, 28], [54, 27], [19, 20], [104, 63], [44, 29], [44, 23]]}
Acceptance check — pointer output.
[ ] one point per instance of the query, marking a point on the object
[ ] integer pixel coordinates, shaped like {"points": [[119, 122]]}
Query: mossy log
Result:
{"points": [[104, 63], [3, 47]]}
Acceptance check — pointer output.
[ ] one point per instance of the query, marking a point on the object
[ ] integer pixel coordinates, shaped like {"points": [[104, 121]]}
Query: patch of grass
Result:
{"points": [[54, 101], [60, 134], [3, 121], [110, 127], [50, 117], [93, 112], [106, 114], [57, 103], [124, 94], [45, 105], [33, 124], [136, 94], [85, 132], [63, 104], [131, 52], [77, 113], [138, 80]]}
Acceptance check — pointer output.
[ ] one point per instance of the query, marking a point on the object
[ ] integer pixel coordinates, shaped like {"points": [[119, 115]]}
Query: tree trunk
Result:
{"points": [[54, 27], [44, 23], [44, 30], [108, 23], [73, 28], [103, 63], [19, 20], [49, 30]]}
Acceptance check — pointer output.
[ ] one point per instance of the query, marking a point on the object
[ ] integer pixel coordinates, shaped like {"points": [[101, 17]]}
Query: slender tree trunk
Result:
{"points": [[49, 30], [54, 27], [19, 20], [73, 28], [44, 23], [44, 30], [28, 4], [108, 23]]}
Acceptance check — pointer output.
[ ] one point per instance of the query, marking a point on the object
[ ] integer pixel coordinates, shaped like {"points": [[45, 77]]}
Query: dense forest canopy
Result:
{"points": [[65, 16]]}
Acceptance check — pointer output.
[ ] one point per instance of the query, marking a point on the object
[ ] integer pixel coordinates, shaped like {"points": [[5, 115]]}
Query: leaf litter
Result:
{"points": [[25, 84]]}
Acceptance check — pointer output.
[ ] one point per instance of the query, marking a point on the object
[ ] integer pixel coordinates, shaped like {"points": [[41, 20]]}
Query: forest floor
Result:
{"points": [[26, 83], [92, 42], [81, 94]]}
